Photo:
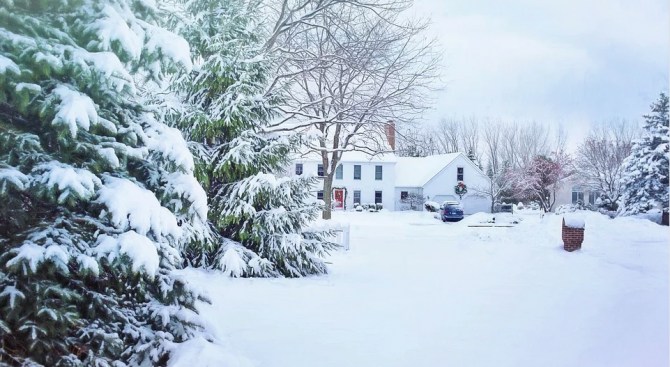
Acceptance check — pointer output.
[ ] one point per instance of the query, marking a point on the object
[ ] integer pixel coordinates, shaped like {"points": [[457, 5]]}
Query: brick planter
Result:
{"points": [[572, 237]]}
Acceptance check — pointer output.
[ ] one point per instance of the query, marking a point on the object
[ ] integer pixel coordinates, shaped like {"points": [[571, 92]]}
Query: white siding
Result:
{"points": [[564, 194], [399, 205], [441, 187], [367, 185]]}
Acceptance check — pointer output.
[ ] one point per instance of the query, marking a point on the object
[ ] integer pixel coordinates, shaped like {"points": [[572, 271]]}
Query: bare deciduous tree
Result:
{"points": [[448, 135], [492, 140], [354, 72], [470, 136], [287, 16], [600, 157], [495, 188], [541, 178]]}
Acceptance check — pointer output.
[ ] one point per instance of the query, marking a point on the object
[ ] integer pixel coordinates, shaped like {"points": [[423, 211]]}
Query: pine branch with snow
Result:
{"points": [[645, 177], [256, 219], [98, 195]]}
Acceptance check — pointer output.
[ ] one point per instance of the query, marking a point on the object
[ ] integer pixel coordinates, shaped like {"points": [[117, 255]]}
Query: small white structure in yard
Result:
{"points": [[341, 230], [435, 178]]}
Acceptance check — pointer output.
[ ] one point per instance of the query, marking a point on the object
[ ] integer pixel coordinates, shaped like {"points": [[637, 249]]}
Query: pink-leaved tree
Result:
{"points": [[541, 178]]}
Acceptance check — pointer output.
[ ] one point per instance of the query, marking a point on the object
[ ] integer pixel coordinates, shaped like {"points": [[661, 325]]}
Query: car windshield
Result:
{"points": [[454, 206]]}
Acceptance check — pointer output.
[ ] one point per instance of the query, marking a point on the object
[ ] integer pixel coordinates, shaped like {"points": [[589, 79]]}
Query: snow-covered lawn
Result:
{"points": [[414, 291]]}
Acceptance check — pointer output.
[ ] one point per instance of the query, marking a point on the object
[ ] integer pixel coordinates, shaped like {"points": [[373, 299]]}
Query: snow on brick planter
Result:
{"points": [[573, 233]]}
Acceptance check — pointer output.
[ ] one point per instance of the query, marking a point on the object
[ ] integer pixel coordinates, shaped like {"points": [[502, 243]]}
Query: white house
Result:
{"points": [[359, 178], [572, 191], [435, 177], [387, 179]]}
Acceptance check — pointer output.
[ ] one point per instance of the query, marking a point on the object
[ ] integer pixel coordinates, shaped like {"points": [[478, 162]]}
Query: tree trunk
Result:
{"points": [[327, 196]]}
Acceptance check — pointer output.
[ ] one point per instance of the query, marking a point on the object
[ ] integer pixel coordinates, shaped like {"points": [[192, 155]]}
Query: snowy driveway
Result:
{"points": [[413, 291]]}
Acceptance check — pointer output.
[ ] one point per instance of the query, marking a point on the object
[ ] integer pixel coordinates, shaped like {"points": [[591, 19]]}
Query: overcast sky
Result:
{"points": [[567, 61]]}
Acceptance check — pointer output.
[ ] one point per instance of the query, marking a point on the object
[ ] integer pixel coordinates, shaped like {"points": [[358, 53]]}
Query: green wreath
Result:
{"points": [[460, 189]]}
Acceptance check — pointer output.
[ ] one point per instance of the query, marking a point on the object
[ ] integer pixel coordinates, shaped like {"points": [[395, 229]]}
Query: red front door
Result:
{"points": [[339, 199]]}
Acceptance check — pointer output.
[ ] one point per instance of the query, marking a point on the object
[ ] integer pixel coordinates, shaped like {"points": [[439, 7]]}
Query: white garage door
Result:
{"points": [[474, 204]]}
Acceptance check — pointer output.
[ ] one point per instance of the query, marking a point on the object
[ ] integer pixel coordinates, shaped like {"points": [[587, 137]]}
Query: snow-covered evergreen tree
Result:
{"points": [[473, 157], [257, 218], [645, 178], [97, 195]]}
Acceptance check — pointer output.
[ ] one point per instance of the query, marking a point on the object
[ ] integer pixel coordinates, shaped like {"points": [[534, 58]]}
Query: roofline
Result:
{"points": [[344, 161]]}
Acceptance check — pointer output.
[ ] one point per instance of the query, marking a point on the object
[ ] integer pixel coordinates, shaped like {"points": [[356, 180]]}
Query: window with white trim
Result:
{"points": [[357, 172], [357, 197], [339, 172], [577, 194]]}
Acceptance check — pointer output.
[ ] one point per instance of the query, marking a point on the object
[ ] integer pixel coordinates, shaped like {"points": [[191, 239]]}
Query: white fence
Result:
{"points": [[341, 231], [342, 236]]}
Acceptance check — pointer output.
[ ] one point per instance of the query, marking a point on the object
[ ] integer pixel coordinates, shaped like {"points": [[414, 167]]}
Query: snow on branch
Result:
{"points": [[133, 207], [75, 109], [141, 251], [66, 180], [11, 176], [7, 65]]}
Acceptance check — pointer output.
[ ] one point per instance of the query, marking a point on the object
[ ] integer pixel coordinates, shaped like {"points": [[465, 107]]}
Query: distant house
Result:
{"points": [[362, 178], [572, 192], [435, 177], [365, 179]]}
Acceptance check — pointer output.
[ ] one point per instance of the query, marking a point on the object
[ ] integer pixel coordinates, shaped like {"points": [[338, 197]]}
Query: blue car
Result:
{"points": [[451, 210]]}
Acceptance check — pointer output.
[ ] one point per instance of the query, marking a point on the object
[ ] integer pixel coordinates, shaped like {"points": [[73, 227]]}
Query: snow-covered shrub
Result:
{"points": [[365, 206], [610, 213], [519, 205], [571, 208], [565, 208], [359, 208], [98, 195], [432, 206], [379, 206], [534, 205], [256, 217], [413, 201], [372, 207]]}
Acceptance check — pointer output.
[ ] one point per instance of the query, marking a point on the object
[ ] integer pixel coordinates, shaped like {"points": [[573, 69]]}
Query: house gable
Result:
{"points": [[418, 171], [460, 154]]}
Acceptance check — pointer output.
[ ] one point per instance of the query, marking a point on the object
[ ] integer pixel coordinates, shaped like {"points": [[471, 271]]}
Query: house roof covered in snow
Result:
{"points": [[417, 171], [352, 157]]}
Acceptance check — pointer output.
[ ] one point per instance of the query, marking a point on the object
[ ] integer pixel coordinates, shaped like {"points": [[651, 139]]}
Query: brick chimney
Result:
{"points": [[389, 129]]}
